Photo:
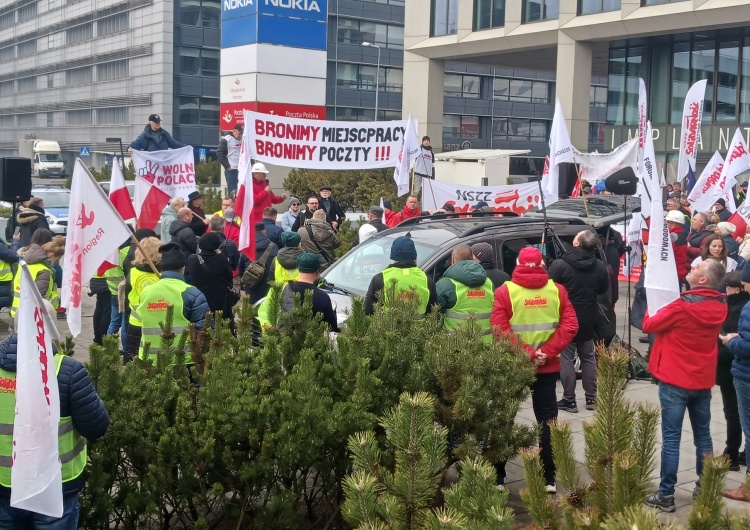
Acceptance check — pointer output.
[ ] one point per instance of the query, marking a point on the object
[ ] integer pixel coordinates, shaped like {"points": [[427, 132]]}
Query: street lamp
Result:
{"points": [[122, 154], [377, 76]]}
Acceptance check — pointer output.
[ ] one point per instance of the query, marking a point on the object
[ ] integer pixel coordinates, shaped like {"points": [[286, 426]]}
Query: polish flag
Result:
{"points": [[150, 200], [243, 205], [120, 199], [576, 189]]}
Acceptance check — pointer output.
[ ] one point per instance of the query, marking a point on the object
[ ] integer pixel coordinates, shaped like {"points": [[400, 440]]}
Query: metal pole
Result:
{"points": [[377, 84], [122, 158]]}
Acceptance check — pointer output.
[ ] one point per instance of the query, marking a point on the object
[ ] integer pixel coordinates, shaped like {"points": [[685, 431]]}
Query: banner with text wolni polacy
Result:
{"points": [[315, 144]]}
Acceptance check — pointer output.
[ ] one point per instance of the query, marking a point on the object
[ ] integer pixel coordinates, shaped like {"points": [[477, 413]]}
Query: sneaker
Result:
{"points": [[61, 315], [551, 488], [664, 502], [590, 404], [500, 487], [567, 406], [643, 340], [733, 459]]}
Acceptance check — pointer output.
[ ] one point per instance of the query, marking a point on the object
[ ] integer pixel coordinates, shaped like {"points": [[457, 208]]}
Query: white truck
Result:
{"points": [[46, 160]]}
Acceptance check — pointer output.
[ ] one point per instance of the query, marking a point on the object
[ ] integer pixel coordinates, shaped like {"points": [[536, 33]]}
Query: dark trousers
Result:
{"points": [[732, 417], [102, 315], [544, 402], [134, 342]]}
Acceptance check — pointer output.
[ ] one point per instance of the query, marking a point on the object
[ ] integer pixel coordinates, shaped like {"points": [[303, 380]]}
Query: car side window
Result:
{"points": [[438, 270]]}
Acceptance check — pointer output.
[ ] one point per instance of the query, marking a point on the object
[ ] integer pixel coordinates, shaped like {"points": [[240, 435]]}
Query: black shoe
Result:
{"points": [[567, 406], [664, 502], [643, 340], [733, 459], [741, 458], [590, 404]]}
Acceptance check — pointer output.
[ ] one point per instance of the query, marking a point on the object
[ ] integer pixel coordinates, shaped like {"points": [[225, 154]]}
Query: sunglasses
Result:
{"points": [[295, 204]]}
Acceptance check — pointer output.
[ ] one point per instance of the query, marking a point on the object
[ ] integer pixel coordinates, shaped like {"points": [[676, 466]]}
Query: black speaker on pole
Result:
{"points": [[622, 182], [15, 179]]}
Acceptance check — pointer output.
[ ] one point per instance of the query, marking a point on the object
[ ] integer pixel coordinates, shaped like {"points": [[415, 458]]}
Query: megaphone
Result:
{"points": [[622, 182]]}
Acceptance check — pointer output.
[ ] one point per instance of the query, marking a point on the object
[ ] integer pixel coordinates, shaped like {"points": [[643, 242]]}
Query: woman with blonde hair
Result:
{"points": [[141, 275]]}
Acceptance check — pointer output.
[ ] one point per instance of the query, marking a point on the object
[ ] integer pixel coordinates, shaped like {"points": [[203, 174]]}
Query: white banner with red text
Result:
{"points": [[516, 198], [692, 115], [172, 171], [315, 144]]}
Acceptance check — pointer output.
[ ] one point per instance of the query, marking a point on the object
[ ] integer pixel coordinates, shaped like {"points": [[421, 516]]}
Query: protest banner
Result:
{"points": [[516, 198], [701, 197], [172, 171], [692, 115], [560, 150], [594, 167], [315, 144]]}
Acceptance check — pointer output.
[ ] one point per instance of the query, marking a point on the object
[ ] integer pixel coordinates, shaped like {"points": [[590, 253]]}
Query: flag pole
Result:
{"points": [[139, 247], [580, 192]]}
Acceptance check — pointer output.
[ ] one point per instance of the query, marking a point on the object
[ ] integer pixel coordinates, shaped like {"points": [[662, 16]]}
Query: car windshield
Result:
{"points": [[53, 199], [50, 157], [354, 271]]}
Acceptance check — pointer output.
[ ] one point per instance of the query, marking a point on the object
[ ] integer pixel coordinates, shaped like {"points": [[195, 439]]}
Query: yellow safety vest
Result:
{"points": [[153, 311], [407, 279], [51, 294], [536, 312], [139, 280], [116, 275], [471, 302], [71, 445], [6, 271]]}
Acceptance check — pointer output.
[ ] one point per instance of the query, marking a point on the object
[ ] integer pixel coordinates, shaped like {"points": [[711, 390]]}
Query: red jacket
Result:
{"points": [[389, 215], [680, 248], [261, 200], [685, 350], [502, 311], [402, 216]]}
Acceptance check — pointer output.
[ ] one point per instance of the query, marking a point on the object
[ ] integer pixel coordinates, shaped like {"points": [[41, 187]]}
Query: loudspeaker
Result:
{"points": [[622, 182], [15, 179]]}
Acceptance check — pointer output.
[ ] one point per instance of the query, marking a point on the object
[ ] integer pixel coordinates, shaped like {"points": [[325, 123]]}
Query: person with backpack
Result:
{"points": [[318, 236], [257, 274]]}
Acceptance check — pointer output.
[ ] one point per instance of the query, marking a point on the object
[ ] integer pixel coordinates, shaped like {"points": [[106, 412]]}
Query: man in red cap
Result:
{"points": [[539, 312]]}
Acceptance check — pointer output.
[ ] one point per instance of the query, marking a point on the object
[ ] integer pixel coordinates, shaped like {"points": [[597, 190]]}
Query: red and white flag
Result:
{"points": [[642, 121], [119, 196], [692, 115], [243, 205], [560, 150], [737, 162], [36, 472], [701, 197], [172, 171], [406, 157], [95, 231], [149, 203]]}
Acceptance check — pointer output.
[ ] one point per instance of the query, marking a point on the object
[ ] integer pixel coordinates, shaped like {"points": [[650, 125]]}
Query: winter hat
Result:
{"points": [[308, 262], [290, 239], [142, 233], [480, 204], [403, 249], [326, 188], [721, 201], [483, 252], [733, 279], [726, 228], [209, 242], [529, 257], [172, 257], [376, 210], [292, 200], [387, 204]]}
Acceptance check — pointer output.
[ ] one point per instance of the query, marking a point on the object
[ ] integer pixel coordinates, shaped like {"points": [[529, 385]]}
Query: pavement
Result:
{"points": [[637, 392]]}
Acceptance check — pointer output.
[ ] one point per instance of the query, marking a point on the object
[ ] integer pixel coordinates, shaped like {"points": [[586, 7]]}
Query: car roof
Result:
{"points": [[598, 210]]}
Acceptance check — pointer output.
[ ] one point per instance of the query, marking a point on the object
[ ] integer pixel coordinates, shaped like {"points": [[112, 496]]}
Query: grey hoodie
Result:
{"points": [[34, 254], [168, 216]]}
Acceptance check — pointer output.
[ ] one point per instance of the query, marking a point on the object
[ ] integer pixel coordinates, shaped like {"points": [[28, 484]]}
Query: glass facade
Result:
{"points": [[589, 7], [538, 10], [489, 14], [444, 17]]}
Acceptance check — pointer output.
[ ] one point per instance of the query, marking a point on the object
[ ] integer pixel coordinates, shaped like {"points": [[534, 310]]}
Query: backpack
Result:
{"points": [[255, 273]]}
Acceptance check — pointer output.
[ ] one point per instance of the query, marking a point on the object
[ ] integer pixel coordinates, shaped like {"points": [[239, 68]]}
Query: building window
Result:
{"points": [[27, 12], [745, 83], [113, 70], [356, 32], [462, 86], [200, 13], [520, 90], [352, 114], [50, 42], [519, 129], [444, 17], [6, 88], [27, 120], [199, 61], [79, 76], [50, 119], [50, 80], [198, 111], [588, 7], [79, 33], [27, 48], [363, 77], [537, 10], [78, 117], [7, 121], [489, 14], [51, 5], [657, 2], [727, 81], [7, 54], [113, 116], [26, 84], [599, 97], [7, 20], [464, 127], [113, 24], [596, 133]]}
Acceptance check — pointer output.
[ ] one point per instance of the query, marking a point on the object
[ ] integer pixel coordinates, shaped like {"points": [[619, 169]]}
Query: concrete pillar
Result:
{"points": [[573, 82], [423, 95]]}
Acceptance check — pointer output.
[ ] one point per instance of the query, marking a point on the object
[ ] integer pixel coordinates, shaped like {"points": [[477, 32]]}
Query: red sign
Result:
{"points": [[230, 114]]}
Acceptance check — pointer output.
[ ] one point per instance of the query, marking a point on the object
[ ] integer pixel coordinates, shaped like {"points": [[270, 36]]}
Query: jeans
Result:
{"points": [[587, 356], [743, 401], [674, 401], [15, 519], [732, 417], [232, 176], [117, 323], [544, 402]]}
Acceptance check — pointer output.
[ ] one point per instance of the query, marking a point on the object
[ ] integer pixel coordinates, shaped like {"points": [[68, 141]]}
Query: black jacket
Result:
{"points": [[29, 221], [585, 278], [495, 275], [321, 302], [198, 224], [334, 212], [377, 284], [214, 279], [78, 399], [183, 235], [735, 303]]}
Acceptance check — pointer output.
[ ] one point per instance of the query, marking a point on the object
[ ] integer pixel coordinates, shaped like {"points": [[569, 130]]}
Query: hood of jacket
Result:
{"points": [[530, 277], [177, 225], [321, 229], [35, 254], [579, 259], [28, 215], [8, 352], [156, 136], [287, 257], [467, 272]]}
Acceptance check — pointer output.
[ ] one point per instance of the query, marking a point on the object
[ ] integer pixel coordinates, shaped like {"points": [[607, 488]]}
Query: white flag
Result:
{"points": [[594, 167], [36, 472], [648, 181], [406, 157], [701, 197], [642, 121], [737, 161], [560, 150], [243, 205], [95, 230], [661, 283], [692, 115]]}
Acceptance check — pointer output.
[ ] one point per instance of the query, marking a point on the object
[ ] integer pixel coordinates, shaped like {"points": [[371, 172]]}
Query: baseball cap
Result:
{"points": [[308, 262], [154, 117]]}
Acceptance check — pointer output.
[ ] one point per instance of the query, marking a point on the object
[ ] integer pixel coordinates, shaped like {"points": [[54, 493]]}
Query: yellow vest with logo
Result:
{"points": [[71, 445], [115, 275], [51, 294], [6, 271], [153, 311], [139, 280], [407, 279], [471, 302], [282, 275], [536, 312]]}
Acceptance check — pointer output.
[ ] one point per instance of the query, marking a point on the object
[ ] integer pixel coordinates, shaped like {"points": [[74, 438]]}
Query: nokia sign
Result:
{"points": [[301, 5], [229, 5]]}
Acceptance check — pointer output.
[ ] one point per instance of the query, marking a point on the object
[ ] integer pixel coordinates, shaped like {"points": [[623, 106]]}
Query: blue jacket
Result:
{"points": [[159, 140], [78, 399], [194, 304], [273, 231], [740, 347]]}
